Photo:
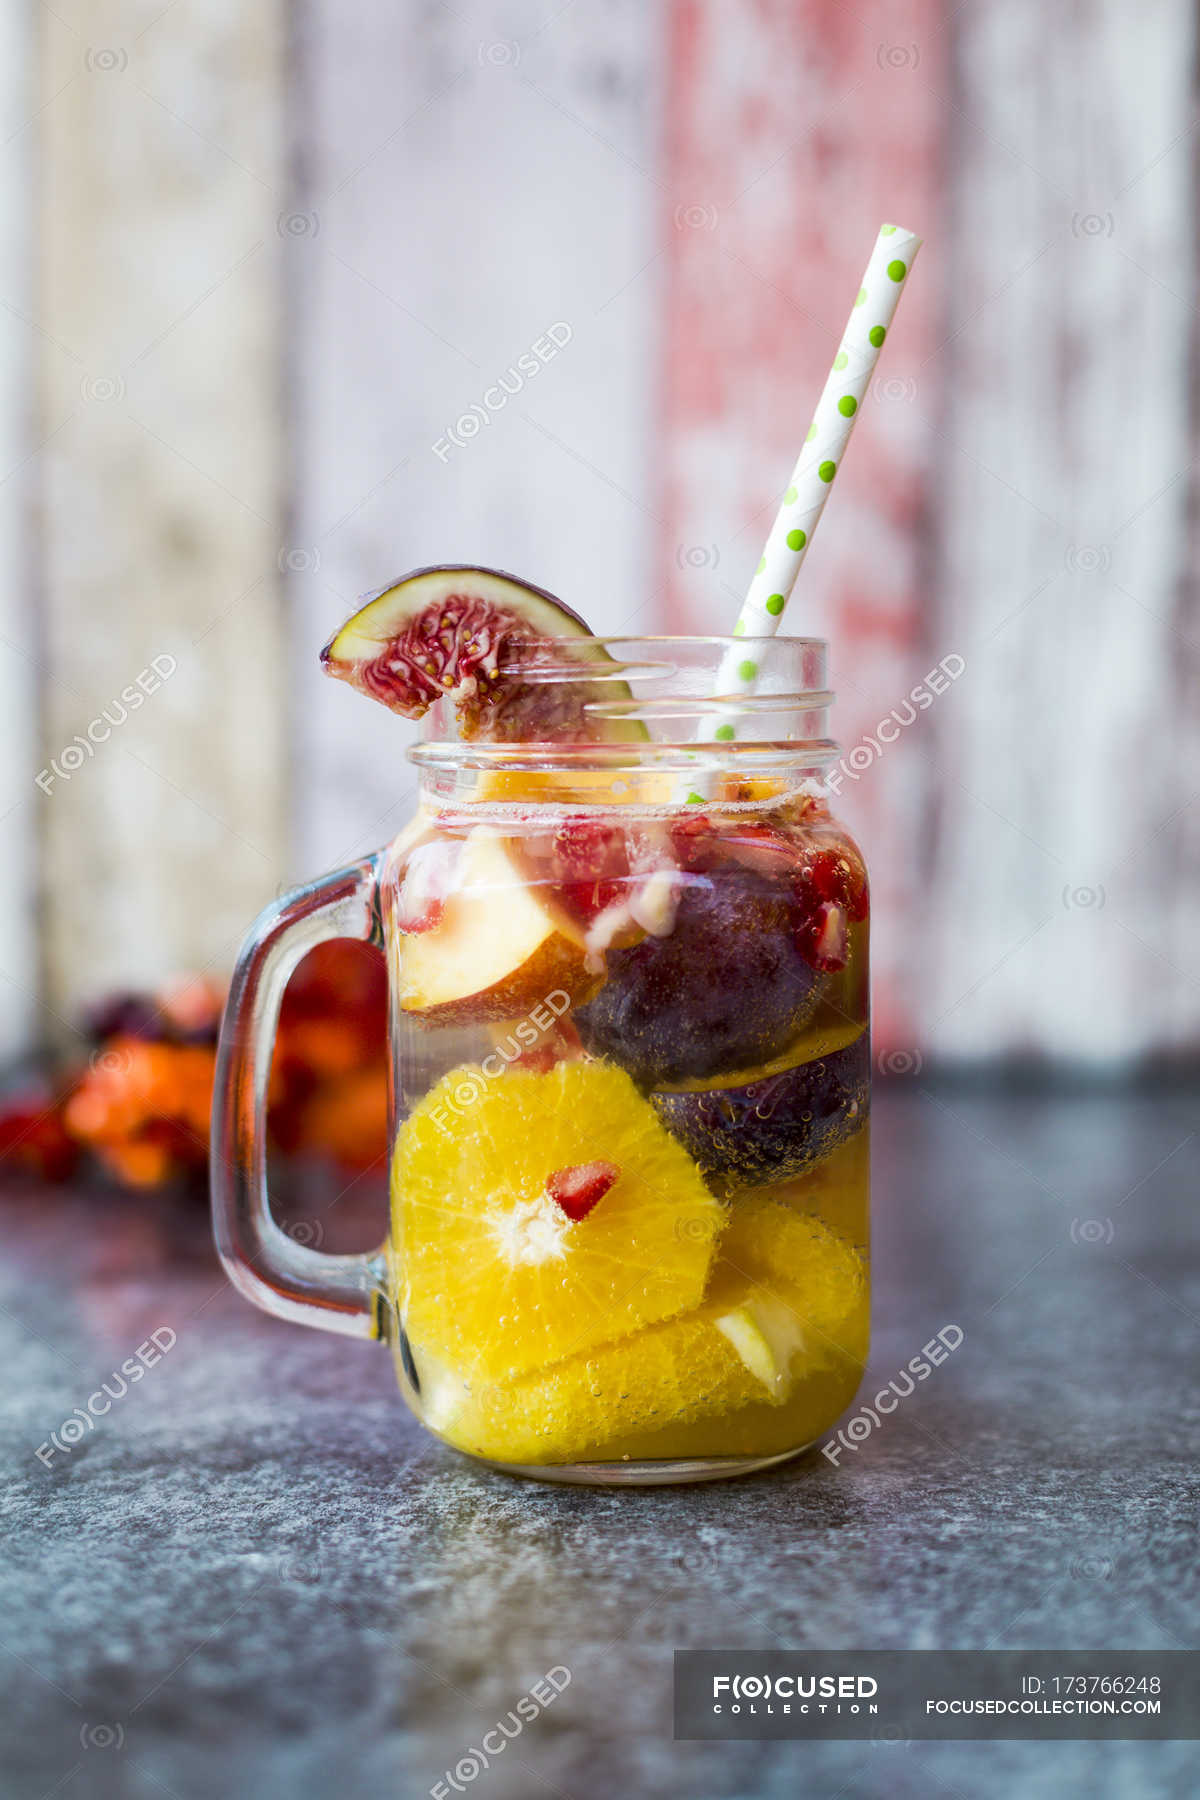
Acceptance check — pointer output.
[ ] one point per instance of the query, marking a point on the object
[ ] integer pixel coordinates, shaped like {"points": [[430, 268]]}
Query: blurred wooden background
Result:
{"points": [[258, 264]]}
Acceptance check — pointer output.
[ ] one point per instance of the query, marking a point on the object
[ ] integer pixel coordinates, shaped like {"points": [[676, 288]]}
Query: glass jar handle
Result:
{"points": [[338, 1293]]}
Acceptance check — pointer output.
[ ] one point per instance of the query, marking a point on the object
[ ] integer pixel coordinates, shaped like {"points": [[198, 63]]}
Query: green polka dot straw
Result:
{"points": [[815, 473], [837, 412]]}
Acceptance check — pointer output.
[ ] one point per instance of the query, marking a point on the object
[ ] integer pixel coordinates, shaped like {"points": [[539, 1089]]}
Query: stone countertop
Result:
{"points": [[256, 1575]]}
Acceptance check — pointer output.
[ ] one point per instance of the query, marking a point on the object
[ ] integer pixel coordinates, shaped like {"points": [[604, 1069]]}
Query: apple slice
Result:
{"points": [[499, 948], [768, 1335]]}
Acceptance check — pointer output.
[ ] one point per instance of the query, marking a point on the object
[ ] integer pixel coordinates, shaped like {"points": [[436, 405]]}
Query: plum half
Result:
{"points": [[472, 634], [775, 1128], [728, 988]]}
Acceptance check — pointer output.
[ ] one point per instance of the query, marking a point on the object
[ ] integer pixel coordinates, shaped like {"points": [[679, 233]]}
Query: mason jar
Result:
{"points": [[630, 1057]]}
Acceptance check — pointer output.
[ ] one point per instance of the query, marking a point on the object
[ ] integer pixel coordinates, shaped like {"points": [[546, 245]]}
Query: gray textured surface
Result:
{"points": [[259, 1570]]}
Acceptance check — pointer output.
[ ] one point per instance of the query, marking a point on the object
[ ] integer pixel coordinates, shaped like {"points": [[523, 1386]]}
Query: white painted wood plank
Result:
{"points": [[162, 162], [18, 659], [1061, 918], [473, 176]]}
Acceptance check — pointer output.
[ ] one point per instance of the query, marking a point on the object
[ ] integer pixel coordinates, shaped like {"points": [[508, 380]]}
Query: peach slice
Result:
{"points": [[499, 948]]}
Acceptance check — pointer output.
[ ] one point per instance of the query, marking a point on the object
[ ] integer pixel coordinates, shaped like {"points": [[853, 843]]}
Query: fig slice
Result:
{"points": [[465, 633]]}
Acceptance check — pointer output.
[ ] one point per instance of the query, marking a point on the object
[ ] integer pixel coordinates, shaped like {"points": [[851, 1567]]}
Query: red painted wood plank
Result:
{"points": [[792, 129]]}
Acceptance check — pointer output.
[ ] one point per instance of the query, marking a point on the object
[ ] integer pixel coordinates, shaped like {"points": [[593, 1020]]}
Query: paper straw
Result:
{"points": [[817, 466]]}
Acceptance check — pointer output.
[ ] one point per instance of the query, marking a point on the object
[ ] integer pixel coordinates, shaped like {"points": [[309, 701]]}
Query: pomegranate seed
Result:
{"points": [[587, 850], [832, 881], [578, 1188], [828, 874], [826, 935], [586, 900], [585, 862]]}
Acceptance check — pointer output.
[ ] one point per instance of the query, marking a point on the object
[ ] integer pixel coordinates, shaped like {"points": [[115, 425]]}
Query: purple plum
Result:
{"points": [[775, 1128], [727, 989]]}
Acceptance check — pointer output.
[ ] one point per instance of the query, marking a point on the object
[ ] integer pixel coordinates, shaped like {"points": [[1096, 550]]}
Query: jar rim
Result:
{"points": [[662, 700], [761, 757]]}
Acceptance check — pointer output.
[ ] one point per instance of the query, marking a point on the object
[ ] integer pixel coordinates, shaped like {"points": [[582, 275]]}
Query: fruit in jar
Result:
{"points": [[575, 787], [748, 1349], [825, 1032], [766, 1332], [428, 876], [617, 878], [765, 1241], [831, 890], [580, 1187], [472, 635], [777, 1127], [535, 1216], [727, 987], [582, 859], [668, 1373], [486, 946], [835, 1189], [760, 1431]]}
